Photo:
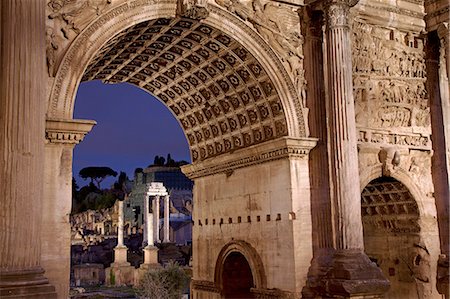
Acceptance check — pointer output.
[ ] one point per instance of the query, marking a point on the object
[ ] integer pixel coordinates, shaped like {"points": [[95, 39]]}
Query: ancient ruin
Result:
{"points": [[319, 133]]}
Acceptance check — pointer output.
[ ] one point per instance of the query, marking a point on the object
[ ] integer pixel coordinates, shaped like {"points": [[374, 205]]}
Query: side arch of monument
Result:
{"points": [[279, 165], [252, 258], [402, 237]]}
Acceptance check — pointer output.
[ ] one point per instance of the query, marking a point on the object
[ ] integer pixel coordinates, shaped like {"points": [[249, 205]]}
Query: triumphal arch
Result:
{"points": [[319, 133]]}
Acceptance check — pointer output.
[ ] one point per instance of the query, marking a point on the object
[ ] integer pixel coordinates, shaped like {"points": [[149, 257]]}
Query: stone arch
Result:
{"points": [[400, 175], [395, 234], [252, 257], [122, 17]]}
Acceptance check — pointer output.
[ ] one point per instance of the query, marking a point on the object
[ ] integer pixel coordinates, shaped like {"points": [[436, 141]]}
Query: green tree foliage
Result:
{"points": [[97, 174], [164, 283], [160, 161]]}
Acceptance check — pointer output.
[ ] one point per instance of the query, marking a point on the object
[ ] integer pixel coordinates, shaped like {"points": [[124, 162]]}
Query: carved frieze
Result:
{"points": [[389, 80], [383, 138]]}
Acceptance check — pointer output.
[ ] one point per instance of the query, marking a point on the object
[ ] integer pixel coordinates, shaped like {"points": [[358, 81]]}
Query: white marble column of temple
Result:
{"points": [[166, 219], [144, 219], [352, 273], [151, 221], [150, 251], [156, 210], [22, 127]]}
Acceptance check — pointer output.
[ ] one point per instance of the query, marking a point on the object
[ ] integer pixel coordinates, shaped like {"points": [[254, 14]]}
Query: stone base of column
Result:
{"points": [[120, 256], [150, 255], [345, 274], [25, 284], [442, 283]]}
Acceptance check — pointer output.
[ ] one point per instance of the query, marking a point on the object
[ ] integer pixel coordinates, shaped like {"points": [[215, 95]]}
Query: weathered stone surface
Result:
{"points": [[234, 74]]}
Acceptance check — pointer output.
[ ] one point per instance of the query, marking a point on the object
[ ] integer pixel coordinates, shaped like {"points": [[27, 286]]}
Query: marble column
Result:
{"points": [[144, 220], [120, 251], [350, 272], [318, 157], [156, 209], [438, 92], [61, 135], [166, 219], [150, 251], [22, 123], [120, 224]]}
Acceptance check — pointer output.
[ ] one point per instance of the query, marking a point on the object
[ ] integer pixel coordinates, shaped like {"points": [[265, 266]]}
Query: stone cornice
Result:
{"points": [[204, 285], [285, 147], [67, 131]]}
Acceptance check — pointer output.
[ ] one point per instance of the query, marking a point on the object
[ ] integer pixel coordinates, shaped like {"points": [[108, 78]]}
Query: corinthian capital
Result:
{"points": [[337, 12]]}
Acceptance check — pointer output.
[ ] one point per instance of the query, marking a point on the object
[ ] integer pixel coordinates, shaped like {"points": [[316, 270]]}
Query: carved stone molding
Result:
{"points": [[69, 132], [204, 285], [381, 137], [282, 148], [272, 294]]}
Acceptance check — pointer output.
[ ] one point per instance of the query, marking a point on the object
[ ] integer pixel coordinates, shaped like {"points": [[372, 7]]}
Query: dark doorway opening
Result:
{"points": [[237, 277]]}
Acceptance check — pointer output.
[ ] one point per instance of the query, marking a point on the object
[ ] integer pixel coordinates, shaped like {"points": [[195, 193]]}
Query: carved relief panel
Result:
{"points": [[65, 20], [391, 101]]}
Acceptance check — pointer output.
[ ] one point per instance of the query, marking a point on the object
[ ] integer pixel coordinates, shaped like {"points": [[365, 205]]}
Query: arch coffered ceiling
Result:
{"points": [[221, 95], [224, 84]]}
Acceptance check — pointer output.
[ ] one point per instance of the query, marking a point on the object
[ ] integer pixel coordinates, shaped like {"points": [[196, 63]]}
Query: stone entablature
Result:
{"points": [[281, 148], [67, 131]]}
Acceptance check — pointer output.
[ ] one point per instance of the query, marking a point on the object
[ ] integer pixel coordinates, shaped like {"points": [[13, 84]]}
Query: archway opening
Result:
{"points": [[221, 95], [237, 278], [392, 240]]}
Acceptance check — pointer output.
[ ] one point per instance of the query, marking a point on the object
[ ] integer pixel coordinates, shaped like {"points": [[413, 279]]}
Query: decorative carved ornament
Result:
{"points": [[66, 19], [220, 94], [269, 151], [389, 86], [70, 132], [388, 205]]}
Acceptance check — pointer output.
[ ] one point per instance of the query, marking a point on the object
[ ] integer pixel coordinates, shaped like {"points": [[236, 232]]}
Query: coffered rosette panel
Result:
{"points": [[388, 206], [222, 97]]}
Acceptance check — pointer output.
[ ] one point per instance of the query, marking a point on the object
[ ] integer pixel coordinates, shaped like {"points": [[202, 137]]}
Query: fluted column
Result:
{"points": [[343, 155], [318, 157], [342, 269], [438, 91], [22, 127], [156, 202], [166, 219]]}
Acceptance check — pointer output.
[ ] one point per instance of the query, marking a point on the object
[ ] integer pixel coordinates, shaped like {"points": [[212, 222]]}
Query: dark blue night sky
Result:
{"points": [[132, 127]]}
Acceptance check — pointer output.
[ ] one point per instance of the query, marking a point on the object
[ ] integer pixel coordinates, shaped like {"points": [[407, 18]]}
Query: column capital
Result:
{"points": [[337, 12], [67, 131]]}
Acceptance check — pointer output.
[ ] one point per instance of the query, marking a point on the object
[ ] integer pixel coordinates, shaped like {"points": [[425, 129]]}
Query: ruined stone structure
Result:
{"points": [[319, 133]]}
